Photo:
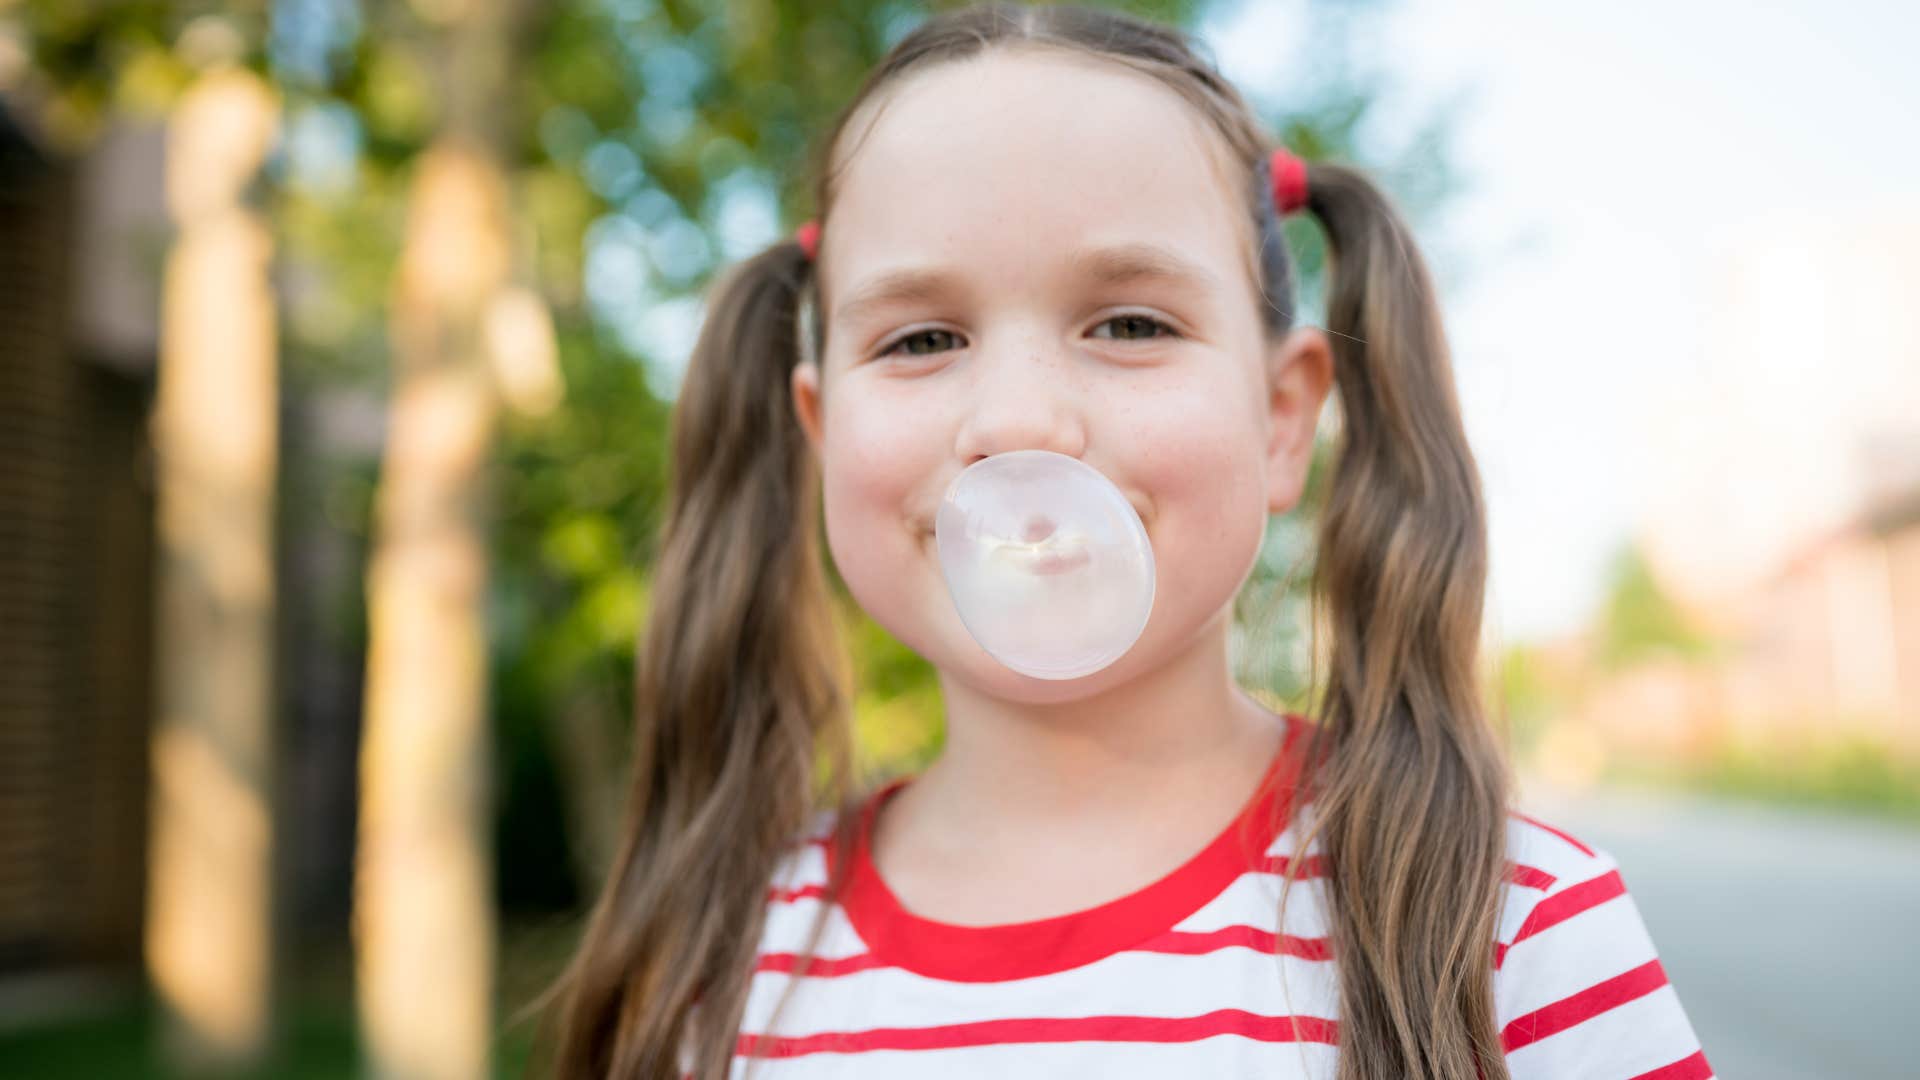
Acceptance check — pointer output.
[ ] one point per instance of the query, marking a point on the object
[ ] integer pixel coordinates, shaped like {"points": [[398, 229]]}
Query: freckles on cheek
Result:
{"points": [[1173, 456], [1206, 484]]}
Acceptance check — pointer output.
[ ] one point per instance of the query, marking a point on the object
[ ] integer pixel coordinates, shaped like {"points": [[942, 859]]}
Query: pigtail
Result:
{"points": [[740, 689], [1410, 792]]}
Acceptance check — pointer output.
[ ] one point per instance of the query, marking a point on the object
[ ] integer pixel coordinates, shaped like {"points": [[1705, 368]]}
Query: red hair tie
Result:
{"points": [[1289, 175]]}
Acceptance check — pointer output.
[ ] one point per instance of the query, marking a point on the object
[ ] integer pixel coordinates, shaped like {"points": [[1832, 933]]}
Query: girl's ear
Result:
{"points": [[806, 400], [1299, 374]]}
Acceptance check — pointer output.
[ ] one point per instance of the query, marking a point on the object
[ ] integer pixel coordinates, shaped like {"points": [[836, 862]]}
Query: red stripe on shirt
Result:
{"points": [[1313, 866], [778, 895], [1584, 849], [1173, 942], [1530, 876], [1687, 1068], [1564, 905], [1193, 943], [822, 967], [1578, 1008], [1026, 1030], [1519, 873]]}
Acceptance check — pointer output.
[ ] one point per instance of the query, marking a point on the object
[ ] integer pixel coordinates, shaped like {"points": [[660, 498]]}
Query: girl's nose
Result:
{"points": [[1020, 405]]}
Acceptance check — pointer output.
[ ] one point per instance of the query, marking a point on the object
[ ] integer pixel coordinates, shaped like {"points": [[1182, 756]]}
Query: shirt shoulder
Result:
{"points": [[798, 904], [803, 862], [1579, 990]]}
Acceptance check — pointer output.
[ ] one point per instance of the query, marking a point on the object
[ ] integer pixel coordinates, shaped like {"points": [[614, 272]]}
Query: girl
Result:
{"points": [[1056, 229]]}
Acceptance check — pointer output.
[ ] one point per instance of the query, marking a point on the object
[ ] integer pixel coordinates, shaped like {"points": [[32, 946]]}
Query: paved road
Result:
{"points": [[1793, 937]]}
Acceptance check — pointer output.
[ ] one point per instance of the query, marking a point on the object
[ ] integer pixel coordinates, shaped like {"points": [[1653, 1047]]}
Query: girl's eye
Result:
{"points": [[1136, 327], [1132, 327], [920, 343]]}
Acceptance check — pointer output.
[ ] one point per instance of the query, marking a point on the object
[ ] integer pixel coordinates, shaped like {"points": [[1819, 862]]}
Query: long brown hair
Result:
{"points": [[741, 726]]}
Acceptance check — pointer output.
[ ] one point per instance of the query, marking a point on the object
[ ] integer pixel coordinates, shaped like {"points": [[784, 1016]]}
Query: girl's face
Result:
{"points": [[1035, 250]]}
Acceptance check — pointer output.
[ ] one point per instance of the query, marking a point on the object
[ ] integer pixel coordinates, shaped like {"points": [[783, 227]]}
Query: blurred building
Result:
{"points": [[78, 337], [1784, 508], [1832, 637]]}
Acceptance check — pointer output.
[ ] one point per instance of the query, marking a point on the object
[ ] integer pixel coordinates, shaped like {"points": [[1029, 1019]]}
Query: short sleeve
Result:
{"points": [[1579, 991]]}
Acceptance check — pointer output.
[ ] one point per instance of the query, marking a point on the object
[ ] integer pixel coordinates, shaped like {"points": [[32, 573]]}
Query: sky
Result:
{"points": [[1613, 155]]}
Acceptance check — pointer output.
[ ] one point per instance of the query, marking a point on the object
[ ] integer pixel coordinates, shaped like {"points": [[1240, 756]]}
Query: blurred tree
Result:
{"points": [[1639, 620], [208, 934], [1527, 688], [465, 339], [215, 437]]}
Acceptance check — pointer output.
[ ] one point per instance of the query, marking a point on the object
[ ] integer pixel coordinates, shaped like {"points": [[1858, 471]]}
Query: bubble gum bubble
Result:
{"points": [[1046, 561]]}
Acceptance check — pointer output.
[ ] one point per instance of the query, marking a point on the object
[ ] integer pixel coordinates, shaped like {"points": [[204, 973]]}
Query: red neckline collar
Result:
{"points": [[996, 953]]}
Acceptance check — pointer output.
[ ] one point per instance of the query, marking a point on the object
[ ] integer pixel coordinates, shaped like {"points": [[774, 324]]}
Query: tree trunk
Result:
{"points": [[591, 763], [424, 926], [215, 433]]}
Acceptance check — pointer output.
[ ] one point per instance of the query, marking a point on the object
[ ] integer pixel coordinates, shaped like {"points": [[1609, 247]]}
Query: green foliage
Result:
{"points": [[1640, 621], [1854, 773], [317, 1042], [1526, 696], [1271, 641], [117, 1033], [579, 497], [93, 59], [899, 719]]}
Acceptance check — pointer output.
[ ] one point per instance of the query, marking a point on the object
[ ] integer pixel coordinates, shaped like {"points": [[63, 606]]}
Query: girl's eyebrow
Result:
{"points": [[1117, 264], [1125, 263]]}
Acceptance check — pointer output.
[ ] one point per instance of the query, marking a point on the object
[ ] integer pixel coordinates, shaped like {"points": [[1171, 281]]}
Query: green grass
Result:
{"points": [[120, 1037], [1857, 776], [317, 1041]]}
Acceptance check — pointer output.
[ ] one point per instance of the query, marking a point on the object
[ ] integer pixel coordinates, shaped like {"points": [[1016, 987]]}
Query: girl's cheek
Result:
{"points": [[882, 460], [1179, 441], [1202, 467], [880, 451]]}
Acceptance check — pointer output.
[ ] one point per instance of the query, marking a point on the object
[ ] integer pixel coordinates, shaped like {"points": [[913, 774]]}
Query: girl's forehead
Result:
{"points": [[1019, 154]]}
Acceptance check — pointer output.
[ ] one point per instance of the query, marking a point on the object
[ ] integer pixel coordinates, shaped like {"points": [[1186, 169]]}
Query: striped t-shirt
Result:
{"points": [[1188, 976]]}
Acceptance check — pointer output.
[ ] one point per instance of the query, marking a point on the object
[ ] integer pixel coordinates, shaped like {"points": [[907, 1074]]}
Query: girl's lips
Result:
{"points": [[1056, 557], [1060, 562]]}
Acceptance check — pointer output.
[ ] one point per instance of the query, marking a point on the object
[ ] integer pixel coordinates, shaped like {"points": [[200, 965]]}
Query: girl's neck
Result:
{"points": [[1181, 733]]}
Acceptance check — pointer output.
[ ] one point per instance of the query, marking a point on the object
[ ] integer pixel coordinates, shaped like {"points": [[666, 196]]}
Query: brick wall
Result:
{"points": [[75, 581]]}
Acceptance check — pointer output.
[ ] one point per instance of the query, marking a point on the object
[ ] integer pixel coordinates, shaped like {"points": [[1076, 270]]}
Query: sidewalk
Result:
{"points": [[1792, 936]]}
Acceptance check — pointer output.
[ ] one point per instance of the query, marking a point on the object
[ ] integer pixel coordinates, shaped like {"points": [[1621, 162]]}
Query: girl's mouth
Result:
{"points": [[1055, 555], [1060, 562]]}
